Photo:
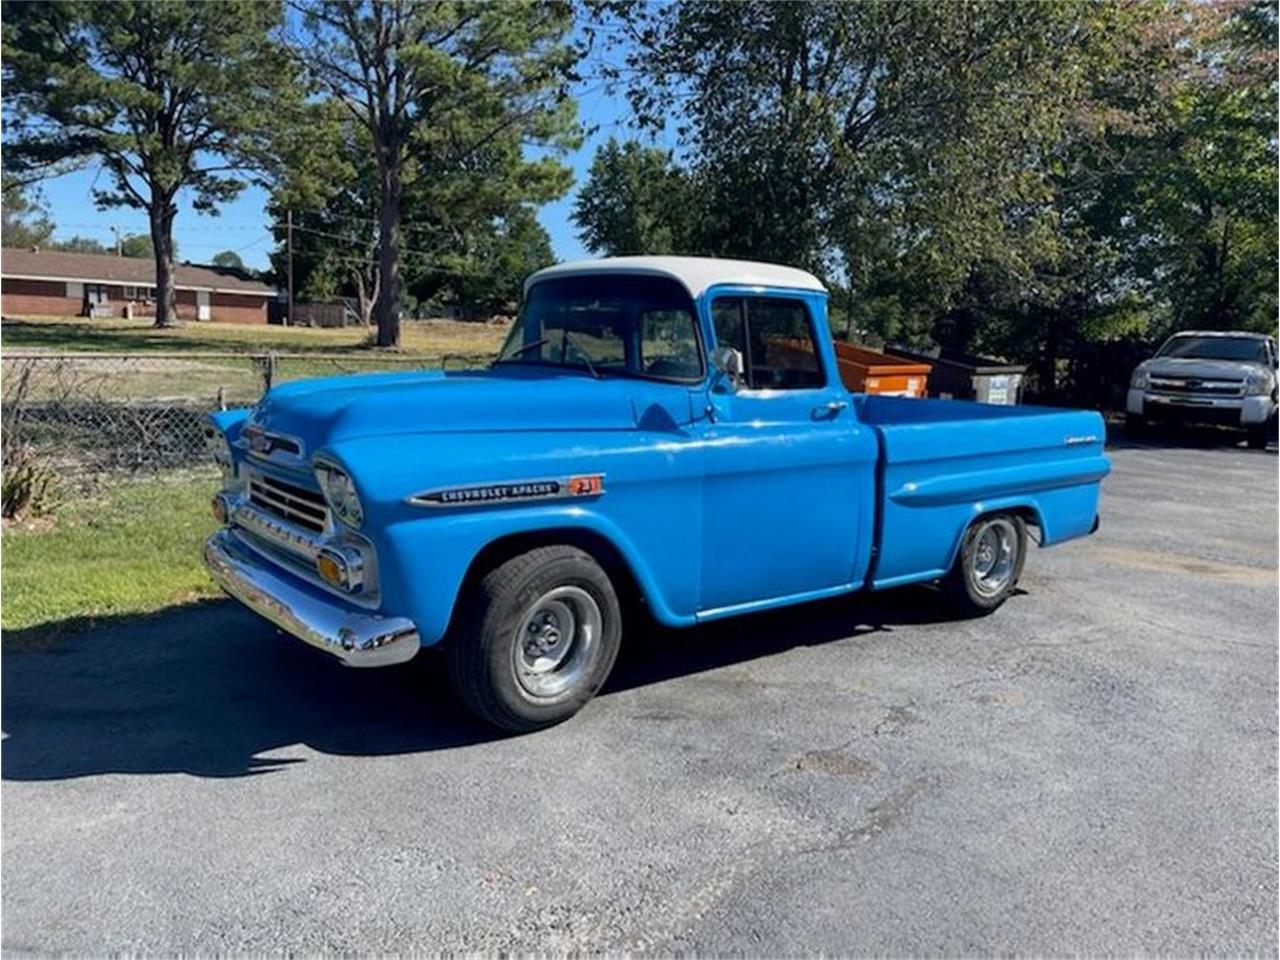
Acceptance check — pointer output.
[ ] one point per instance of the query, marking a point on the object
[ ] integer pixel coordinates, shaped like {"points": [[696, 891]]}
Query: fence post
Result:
{"points": [[269, 371]]}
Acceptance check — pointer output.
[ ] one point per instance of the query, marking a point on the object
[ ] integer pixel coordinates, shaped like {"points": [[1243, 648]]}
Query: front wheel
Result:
{"points": [[1259, 436], [988, 565], [537, 639]]}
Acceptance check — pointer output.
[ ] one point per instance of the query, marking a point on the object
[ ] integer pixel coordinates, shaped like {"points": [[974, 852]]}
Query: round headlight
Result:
{"points": [[340, 493], [220, 450]]}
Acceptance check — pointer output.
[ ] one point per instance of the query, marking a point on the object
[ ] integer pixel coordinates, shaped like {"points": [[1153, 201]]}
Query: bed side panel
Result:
{"points": [[941, 473]]}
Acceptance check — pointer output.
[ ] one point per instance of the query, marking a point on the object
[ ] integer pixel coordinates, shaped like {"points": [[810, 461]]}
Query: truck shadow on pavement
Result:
{"points": [[207, 689]]}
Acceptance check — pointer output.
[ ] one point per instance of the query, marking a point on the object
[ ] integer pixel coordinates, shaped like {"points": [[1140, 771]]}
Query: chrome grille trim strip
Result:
{"points": [[296, 548], [280, 535], [286, 502], [289, 501]]}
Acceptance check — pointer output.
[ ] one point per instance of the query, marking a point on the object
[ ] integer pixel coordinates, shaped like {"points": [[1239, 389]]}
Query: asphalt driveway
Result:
{"points": [[1090, 770]]}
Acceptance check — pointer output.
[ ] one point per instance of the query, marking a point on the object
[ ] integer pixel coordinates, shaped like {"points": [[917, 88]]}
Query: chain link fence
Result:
{"points": [[91, 416]]}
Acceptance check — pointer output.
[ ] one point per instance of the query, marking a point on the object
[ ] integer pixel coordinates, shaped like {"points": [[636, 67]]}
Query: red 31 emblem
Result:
{"points": [[586, 486]]}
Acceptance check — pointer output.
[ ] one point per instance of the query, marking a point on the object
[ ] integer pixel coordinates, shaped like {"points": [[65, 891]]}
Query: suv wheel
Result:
{"points": [[537, 639]]}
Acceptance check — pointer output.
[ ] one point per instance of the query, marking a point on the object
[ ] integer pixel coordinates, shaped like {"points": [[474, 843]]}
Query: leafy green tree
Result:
{"points": [[25, 222], [167, 96], [1017, 177], [812, 123], [637, 201], [489, 279], [328, 184], [228, 260], [79, 244], [436, 84], [1207, 186], [139, 245], [1161, 212]]}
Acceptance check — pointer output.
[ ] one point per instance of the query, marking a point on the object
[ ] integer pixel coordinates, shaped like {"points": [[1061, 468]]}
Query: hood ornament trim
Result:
{"points": [[271, 447]]}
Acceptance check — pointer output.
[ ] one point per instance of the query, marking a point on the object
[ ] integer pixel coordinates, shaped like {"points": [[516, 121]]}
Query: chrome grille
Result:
{"points": [[288, 501], [1208, 386]]}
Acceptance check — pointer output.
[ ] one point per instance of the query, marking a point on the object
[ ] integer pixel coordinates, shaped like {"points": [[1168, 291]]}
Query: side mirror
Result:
{"points": [[730, 363]]}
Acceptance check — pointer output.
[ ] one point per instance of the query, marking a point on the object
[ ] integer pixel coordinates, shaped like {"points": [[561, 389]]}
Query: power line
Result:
{"points": [[201, 228]]}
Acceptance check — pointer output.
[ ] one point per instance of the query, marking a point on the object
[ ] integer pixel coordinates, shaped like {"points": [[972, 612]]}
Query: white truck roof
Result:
{"points": [[1240, 334], [695, 273]]}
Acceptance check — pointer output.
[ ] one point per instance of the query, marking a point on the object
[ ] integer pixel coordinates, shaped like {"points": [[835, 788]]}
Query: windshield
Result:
{"points": [[608, 325], [1216, 348]]}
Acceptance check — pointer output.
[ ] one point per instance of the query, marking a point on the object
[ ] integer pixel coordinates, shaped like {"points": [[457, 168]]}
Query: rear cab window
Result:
{"points": [[775, 337]]}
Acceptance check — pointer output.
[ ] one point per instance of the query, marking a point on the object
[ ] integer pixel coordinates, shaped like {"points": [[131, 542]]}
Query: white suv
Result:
{"points": [[1224, 377]]}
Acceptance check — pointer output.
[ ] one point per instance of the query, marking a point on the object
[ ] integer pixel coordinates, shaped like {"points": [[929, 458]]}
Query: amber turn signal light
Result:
{"points": [[330, 571], [219, 507]]}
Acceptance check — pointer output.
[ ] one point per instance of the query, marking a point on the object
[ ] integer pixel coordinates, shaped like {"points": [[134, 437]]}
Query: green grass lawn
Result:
{"points": [[427, 338], [132, 549]]}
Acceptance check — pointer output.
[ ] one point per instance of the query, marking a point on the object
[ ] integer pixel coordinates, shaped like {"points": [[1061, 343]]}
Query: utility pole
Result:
{"points": [[119, 245], [288, 316]]}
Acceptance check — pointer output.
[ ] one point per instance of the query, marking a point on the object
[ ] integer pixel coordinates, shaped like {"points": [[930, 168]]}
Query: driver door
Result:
{"points": [[785, 461]]}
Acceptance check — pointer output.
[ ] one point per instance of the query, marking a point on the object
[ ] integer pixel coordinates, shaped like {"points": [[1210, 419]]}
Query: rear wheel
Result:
{"points": [[988, 565], [538, 638]]}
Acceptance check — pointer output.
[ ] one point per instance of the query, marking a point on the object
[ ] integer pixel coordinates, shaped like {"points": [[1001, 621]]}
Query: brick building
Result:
{"points": [[54, 283]]}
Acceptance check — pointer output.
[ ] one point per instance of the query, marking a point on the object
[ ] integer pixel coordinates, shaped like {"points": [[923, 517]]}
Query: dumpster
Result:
{"points": [[868, 371], [963, 376]]}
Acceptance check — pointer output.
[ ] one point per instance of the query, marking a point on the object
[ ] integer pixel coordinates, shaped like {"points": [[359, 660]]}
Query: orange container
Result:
{"points": [[868, 371]]}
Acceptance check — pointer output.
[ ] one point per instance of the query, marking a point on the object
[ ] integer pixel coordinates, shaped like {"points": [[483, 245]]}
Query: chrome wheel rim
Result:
{"points": [[995, 552], [556, 642]]}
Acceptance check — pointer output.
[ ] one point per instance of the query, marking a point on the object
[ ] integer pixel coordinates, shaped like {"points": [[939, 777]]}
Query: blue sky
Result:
{"points": [[243, 225]]}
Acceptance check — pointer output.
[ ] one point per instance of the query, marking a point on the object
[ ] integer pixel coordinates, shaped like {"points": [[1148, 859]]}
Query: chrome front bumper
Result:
{"points": [[358, 638], [1246, 410]]}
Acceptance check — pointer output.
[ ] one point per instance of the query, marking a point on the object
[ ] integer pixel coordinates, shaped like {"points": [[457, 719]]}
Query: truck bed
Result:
{"points": [[944, 462]]}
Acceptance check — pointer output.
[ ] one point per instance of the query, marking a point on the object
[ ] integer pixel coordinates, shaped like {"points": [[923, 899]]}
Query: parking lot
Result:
{"points": [[1090, 770]]}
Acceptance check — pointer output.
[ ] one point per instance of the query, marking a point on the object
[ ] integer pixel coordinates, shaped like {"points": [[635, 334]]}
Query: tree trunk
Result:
{"points": [[388, 309], [366, 292], [161, 216]]}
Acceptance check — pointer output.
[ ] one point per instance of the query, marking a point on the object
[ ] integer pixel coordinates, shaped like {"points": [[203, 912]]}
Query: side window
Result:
{"points": [[775, 338], [669, 344], [783, 354], [730, 326]]}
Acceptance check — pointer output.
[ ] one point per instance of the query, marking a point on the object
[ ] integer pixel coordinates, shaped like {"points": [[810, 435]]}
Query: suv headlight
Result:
{"points": [[1257, 384], [340, 493], [1141, 380]]}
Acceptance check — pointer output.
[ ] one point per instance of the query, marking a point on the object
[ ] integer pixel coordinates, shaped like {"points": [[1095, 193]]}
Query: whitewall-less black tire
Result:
{"points": [[536, 639], [988, 564]]}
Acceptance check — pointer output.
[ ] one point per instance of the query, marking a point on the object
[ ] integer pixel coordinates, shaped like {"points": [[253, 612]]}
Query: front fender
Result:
{"points": [[230, 422], [649, 510], [423, 563]]}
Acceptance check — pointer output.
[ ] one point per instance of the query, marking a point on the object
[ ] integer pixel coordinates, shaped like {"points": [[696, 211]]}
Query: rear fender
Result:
{"points": [[1027, 509]]}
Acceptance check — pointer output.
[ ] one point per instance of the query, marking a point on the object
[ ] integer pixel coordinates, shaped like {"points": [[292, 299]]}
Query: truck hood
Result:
{"points": [[325, 411], [1207, 369]]}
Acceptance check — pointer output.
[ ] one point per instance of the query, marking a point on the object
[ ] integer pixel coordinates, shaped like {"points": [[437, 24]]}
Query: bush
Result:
{"points": [[27, 486]]}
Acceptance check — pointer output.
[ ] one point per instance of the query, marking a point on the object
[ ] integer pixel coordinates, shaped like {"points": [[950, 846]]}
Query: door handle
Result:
{"points": [[831, 409]]}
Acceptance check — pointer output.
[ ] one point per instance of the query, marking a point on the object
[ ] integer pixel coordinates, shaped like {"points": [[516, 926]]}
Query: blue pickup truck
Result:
{"points": [[660, 434]]}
